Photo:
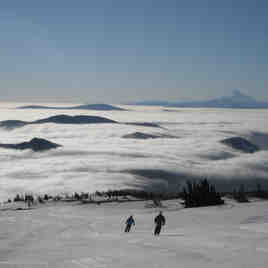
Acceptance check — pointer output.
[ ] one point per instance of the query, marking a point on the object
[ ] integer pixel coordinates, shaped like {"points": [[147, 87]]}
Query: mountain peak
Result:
{"points": [[236, 100], [239, 96], [237, 93]]}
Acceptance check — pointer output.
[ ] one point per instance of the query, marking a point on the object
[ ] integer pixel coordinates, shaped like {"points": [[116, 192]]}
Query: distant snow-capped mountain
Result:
{"points": [[237, 100]]}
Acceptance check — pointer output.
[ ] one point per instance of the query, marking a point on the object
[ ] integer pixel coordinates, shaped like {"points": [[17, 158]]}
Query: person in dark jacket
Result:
{"points": [[159, 222], [129, 222]]}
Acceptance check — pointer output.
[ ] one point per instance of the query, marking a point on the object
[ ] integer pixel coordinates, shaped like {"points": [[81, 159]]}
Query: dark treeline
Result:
{"points": [[260, 193], [198, 194], [139, 194], [110, 195], [194, 194], [30, 198], [241, 195]]}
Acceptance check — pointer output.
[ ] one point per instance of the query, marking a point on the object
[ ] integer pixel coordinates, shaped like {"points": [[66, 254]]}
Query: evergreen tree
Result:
{"points": [[201, 194], [240, 195]]}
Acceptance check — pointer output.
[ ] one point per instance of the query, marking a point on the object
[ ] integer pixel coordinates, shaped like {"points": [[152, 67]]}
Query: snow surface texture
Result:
{"points": [[96, 157], [79, 236]]}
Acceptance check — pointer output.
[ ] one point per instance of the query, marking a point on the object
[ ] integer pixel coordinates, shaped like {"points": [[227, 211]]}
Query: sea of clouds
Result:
{"points": [[96, 157]]}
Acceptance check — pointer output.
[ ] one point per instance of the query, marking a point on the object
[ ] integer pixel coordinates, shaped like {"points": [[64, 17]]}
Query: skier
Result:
{"points": [[159, 222], [129, 222]]}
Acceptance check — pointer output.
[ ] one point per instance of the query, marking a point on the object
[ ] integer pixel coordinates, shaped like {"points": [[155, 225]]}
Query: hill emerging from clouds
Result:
{"points": [[68, 119], [96, 107], [57, 119], [35, 144]]}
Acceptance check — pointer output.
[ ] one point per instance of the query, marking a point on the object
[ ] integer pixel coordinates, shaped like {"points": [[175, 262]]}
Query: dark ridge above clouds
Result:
{"points": [[58, 119], [36, 144], [78, 119], [241, 144], [68, 119], [10, 124], [96, 107], [145, 136], [259, 138], [172, 110], [143, 124], [217, 156]]}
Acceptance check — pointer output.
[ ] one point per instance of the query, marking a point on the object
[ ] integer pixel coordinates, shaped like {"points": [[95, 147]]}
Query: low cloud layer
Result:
{"points": [[96, 157]]}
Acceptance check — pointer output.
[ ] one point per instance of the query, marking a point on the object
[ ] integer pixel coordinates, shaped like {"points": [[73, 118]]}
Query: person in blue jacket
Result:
{"points": [[129, 222]]}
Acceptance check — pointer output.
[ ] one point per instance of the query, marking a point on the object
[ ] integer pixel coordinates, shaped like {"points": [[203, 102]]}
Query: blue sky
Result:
{"points": [[120, 51]]}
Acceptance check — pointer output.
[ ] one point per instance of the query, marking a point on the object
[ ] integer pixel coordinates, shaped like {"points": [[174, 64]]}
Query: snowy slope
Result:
{"points": [[74, 235]]}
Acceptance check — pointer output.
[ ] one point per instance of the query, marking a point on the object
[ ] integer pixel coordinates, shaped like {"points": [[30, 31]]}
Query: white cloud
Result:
{"points": [[96, 157]]}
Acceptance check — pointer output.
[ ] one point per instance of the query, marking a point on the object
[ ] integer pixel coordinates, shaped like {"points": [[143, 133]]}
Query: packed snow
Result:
{"points": [[75, 235]]}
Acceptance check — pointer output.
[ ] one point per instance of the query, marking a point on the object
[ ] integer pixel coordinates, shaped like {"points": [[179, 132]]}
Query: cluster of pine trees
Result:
{"points": [[260, 193], [240, 195], [198, 194]]}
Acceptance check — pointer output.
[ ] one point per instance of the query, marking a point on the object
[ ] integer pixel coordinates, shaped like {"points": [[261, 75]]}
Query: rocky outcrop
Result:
{"points": [[36, 144], [241, 144]]}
